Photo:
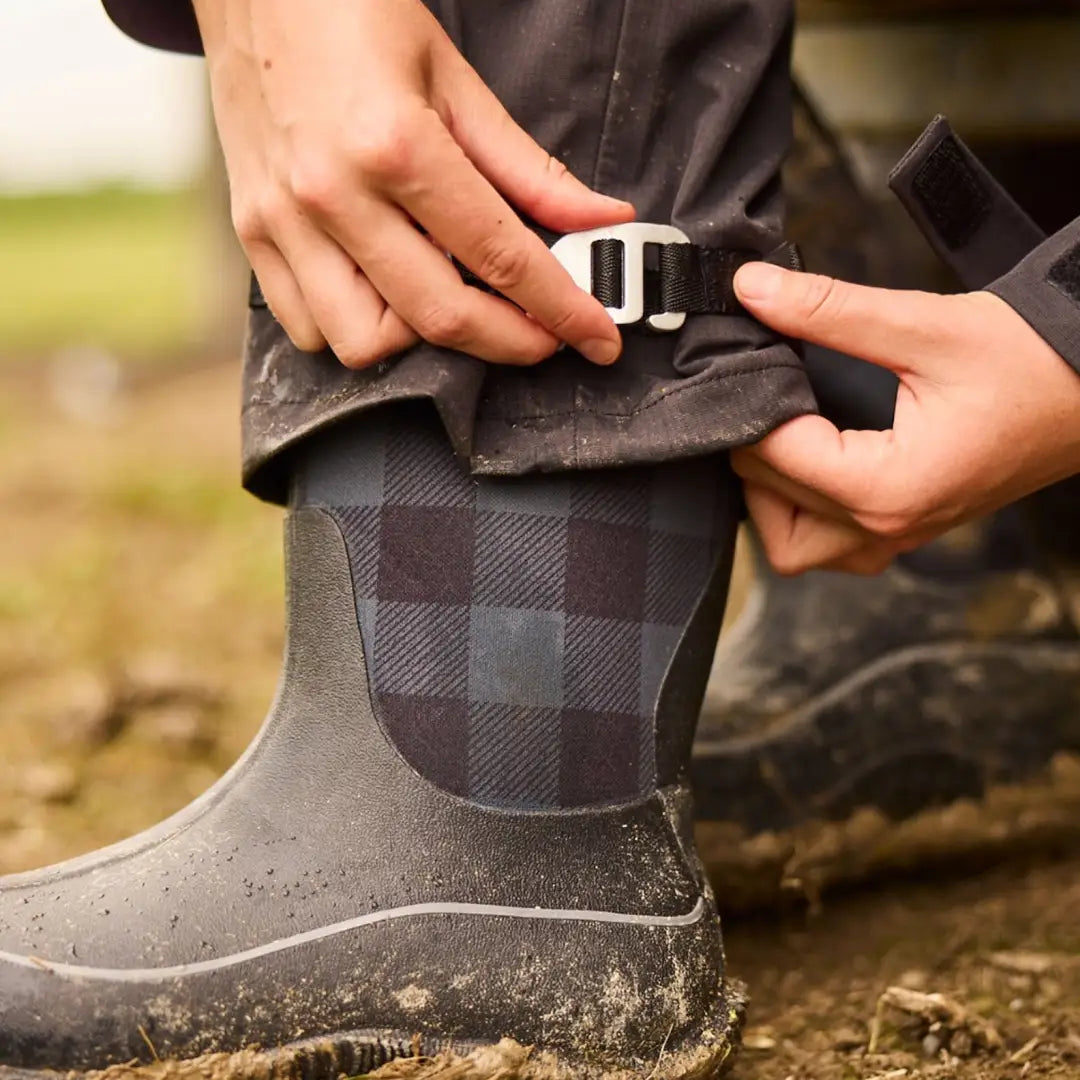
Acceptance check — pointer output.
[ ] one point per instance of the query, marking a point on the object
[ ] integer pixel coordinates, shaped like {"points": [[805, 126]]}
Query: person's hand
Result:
{"points": [[348, 123], [987, 412]]}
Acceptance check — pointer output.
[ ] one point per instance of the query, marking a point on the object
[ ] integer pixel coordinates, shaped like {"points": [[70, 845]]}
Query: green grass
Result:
{"points": [[114, 268]]}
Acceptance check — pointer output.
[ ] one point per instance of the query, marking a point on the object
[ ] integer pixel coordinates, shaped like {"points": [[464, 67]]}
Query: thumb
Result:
{"points": [[895, 329], [527, 175]]}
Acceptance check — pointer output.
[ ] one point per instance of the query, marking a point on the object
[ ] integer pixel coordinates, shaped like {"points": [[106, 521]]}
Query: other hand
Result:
{"points": [[987, 412]]}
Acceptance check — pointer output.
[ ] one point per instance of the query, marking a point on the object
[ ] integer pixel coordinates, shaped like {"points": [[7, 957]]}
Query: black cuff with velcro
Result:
{"points": [[975, 227], [984, 236]]}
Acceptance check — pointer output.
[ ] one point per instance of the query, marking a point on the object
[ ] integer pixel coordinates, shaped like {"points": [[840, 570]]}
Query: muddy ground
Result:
{"points": [[139, 635]]}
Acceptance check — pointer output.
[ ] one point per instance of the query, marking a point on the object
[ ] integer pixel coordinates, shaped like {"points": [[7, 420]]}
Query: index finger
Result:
{"points": [[464, 213]]}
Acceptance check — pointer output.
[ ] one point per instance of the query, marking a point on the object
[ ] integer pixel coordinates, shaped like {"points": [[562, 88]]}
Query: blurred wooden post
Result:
{"points": [[1001, 69]]}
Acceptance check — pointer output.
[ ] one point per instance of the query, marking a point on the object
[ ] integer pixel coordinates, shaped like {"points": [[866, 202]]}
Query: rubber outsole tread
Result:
{"points": [[396, 1056]]}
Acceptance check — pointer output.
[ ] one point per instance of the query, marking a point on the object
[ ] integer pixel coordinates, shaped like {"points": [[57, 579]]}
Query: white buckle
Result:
{"points": [[574, 251]]}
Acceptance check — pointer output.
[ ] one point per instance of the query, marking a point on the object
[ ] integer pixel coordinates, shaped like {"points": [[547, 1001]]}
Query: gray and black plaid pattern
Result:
{"points": [[517, 631]]}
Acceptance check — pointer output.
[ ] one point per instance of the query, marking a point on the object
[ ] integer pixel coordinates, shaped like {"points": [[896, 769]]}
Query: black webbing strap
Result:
{"points": [[969, 219], [679, 278]]}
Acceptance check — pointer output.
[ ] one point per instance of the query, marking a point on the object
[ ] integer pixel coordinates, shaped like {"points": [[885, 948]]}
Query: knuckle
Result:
{"points": [[894, 511], [503, 266], [536, 356], [255, 218], [316, 185], [306, 338], [789, 568], [563, 325], [786, 561], [556, 169], [892, 522], [356, 357], [385, 159], [371, 346], [822, 296], [248, 223], [548, 183], [445, 326], [386, 153]]}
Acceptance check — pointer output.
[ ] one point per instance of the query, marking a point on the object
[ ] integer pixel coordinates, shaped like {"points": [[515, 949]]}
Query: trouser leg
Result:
{"points": [[582, 76]]}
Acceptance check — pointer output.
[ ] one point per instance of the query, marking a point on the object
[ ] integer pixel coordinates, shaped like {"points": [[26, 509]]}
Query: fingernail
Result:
{"points": [[601, 350], [759, 281]]}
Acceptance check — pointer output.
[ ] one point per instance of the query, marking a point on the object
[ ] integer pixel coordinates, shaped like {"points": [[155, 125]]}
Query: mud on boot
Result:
{"points": [[466, 818]]}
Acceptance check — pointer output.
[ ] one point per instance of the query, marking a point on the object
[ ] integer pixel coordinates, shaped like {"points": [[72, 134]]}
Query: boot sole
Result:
{"points": [[981, 755], [394, 1056]]}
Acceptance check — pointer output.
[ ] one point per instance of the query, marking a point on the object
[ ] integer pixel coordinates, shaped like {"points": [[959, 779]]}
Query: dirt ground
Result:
{"points": [[139, 635], [1002, 949]]}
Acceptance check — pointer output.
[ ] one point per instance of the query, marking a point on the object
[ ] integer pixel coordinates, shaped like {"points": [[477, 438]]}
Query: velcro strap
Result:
{"points": [[969, 219], [951, 193]]}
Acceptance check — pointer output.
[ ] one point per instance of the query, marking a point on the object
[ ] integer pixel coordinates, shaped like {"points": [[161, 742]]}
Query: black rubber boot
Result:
{"points": [[339, 899], [956, 670]]}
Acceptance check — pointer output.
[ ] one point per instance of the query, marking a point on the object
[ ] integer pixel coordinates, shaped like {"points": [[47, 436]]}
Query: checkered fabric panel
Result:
{"points": [[517, 632]]}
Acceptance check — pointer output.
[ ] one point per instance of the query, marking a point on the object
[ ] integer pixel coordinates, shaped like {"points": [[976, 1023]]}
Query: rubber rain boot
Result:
{"points": [[465, 821]]}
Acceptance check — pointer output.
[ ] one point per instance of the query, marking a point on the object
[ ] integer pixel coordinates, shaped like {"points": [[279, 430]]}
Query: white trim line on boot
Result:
{"points": [[80, 973]]}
